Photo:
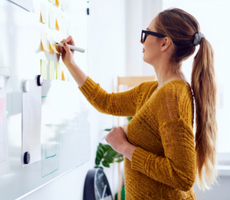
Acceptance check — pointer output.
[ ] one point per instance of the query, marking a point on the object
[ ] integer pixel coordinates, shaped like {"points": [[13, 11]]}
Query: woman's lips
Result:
{"points": [[143, 50]]}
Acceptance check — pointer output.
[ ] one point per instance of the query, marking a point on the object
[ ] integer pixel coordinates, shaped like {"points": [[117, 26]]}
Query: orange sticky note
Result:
{"points": [[44, 46], [52, 45], [57, 25], [57, 3], [63, 77], [43, 14]]}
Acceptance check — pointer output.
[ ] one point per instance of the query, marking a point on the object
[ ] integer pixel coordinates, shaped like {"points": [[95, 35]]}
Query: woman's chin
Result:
{"points": [[144, 59]]}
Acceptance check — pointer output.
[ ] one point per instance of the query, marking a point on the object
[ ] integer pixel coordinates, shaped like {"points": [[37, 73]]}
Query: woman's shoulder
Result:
{"points": [[146, 85], [175, 86], [176, 92]]}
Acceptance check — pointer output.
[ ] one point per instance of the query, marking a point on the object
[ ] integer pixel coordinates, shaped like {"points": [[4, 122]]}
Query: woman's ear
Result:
{"points": [[165, 44]]}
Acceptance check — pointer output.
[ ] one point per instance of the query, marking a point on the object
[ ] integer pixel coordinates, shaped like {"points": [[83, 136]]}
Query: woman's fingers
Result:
{"points": [[66, 47], [60, 48], [69, 40]]}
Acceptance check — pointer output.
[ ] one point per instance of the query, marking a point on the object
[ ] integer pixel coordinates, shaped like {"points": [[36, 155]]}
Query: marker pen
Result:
{"points": [[72, 47]]}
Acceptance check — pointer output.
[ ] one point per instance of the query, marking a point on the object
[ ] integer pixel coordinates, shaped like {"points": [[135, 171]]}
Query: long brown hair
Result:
{"points": [[181, 27]]}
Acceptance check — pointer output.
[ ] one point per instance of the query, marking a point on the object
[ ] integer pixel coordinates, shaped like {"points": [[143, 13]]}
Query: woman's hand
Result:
{"points": [[118, 140], [66, 52]]}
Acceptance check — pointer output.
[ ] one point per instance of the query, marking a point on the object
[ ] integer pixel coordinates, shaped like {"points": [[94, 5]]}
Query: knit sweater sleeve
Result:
{"points": [[118, 104], [177, 167]]}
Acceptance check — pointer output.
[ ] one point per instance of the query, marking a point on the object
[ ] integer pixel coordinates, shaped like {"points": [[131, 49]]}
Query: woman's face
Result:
{"points": [[151, 48]]}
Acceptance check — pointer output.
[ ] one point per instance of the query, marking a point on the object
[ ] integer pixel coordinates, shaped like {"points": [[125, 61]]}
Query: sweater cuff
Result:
{"points": [[139, 159], [88, 88]]}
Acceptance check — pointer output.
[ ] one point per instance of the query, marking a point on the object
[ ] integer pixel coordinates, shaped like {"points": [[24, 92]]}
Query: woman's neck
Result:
{"points": [[167, 77]]}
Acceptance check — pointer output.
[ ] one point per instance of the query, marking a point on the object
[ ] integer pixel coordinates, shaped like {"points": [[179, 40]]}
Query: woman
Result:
{"points": [[161, 159]]}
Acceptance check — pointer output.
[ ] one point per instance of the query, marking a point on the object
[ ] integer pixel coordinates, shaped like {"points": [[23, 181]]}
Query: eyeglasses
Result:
{"points": [[145, 33]]}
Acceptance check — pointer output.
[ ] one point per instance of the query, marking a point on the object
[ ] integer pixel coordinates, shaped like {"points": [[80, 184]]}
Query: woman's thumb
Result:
{"points": [[66, 47]]}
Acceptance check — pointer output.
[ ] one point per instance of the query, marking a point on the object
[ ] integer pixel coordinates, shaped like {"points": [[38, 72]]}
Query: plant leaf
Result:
{"points": [[108, 129], [99, 155], [111, 153], [129, 118], [119, 160], [97, 161], [104, 163], [109, 159], [107, 147]]}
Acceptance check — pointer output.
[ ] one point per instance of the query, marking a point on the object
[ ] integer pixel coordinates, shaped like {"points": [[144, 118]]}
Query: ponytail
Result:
{"points": [[204, 88]]}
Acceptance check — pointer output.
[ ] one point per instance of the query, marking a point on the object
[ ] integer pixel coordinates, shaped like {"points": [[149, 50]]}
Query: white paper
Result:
{"points": [[31, 122], [4, 161], [26, 4]]}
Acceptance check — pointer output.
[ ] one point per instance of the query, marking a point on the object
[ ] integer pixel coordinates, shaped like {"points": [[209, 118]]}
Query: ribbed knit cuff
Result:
{"points": [[88, 88], [139, 159]]}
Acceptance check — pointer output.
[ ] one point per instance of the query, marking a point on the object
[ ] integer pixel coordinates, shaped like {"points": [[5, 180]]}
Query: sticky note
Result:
{"points": [[57, 3], [68, 5], [55, 73], [58, 22], [51, 19], [52, 45], [51, 70], [43, 69], [63, 76], [43, 14], [44, 46], [58, 71]]}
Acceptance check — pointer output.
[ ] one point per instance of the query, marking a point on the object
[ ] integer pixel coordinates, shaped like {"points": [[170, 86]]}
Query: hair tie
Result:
{"points": [[197, 38]]}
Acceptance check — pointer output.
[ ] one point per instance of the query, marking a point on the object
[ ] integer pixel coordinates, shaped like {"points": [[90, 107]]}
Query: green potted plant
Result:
{"points": [[106, 155]]}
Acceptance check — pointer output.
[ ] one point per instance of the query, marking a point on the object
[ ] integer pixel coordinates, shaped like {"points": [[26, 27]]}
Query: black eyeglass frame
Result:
{"points": [[150, 33]]}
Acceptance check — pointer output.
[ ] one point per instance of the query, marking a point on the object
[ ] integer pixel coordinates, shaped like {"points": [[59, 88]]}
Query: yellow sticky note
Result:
{"points": [[44, 46], [68, 5], [52, 45], [43, 69], [58, 71], [51, 70], [43, 14], [63, 76], [51, 19]]}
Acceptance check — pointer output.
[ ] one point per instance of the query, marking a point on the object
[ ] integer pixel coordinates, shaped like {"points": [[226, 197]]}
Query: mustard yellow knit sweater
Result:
{"points": [[163, 164]]}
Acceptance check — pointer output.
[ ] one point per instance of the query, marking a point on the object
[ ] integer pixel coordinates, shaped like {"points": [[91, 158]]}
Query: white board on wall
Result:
{"points": [[64, 111]]}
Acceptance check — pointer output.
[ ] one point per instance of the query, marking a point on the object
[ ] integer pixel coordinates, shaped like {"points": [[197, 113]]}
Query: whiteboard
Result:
{"points": [[64, 120]]}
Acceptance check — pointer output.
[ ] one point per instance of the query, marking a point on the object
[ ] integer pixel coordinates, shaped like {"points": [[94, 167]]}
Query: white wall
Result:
{"points": [[139, 14]]}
